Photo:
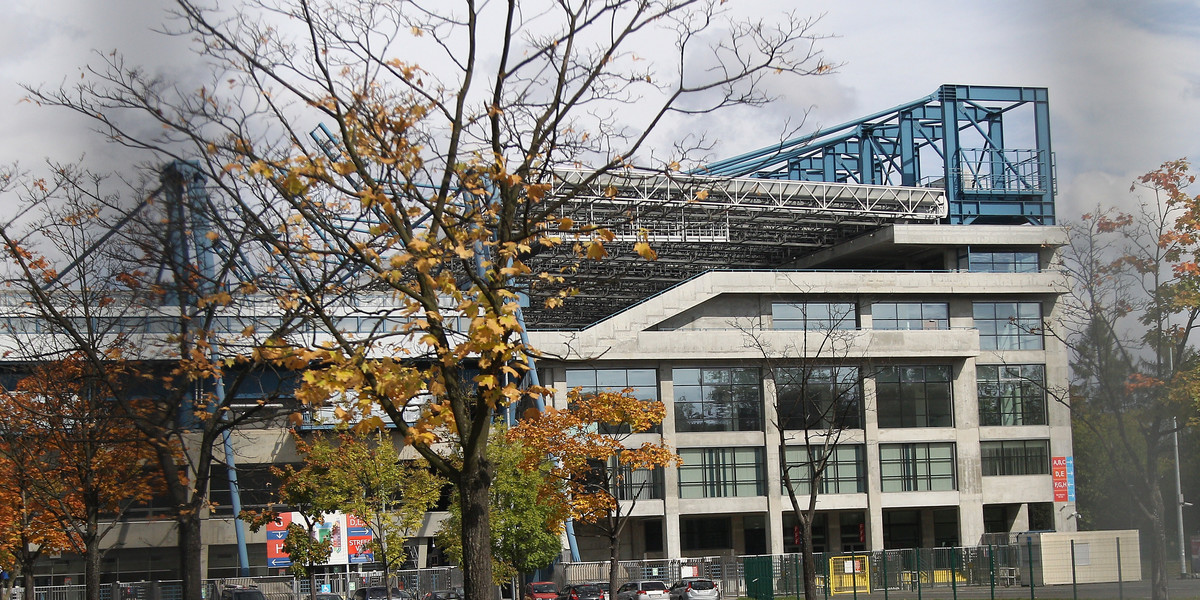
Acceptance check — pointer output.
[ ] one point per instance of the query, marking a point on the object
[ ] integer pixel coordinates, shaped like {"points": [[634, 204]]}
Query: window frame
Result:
{"points": [[822, 386], [904, 399], [1005, 458], [723, 472], [926, 312], [916, 471], [737, 411], [1015, 331], [1014, 396], [843, 474], [642, 389], [815, 315]]}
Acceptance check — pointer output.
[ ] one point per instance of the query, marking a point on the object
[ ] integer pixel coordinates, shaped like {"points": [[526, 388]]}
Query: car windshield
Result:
{"points": [[653, 585], [701, 584], [544, 588], [588, 589]]}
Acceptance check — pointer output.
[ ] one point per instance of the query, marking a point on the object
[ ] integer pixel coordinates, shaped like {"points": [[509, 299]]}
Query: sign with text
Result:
{"points": [[358, 541], [1062, 474], [349, 539]]}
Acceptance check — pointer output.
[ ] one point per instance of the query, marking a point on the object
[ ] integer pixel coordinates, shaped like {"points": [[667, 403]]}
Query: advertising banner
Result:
{"points": [[1062, 474], [349, 539]]}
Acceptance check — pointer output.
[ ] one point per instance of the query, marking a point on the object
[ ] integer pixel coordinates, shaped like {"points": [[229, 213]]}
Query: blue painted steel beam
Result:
{"points": [[956, 138]]}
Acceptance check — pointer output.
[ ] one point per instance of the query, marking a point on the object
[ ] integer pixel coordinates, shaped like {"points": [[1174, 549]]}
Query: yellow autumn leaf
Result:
{"points": [[645, 251]]}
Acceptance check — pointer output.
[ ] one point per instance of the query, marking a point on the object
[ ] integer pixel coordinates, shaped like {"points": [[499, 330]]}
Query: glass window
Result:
{"points": [[637, 484], [1002, 261], [910, 315], [917, 467], [1012, 394], [814, 316], [721, 472], [642, 384], [718, 399], [1015, 457], [1009, 325], [845, 472], [705, 533], [819, 398], [914, 396]]}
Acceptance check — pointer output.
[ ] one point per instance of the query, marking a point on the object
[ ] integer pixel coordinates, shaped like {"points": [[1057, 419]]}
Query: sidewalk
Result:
{"points": [[1179, 589]]}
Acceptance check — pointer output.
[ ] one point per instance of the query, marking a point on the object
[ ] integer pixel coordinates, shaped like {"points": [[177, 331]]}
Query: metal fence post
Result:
{"points": [[1032, 577], [954, 572], [885, 577], [992, 569], [918, 572], [1074, 582], [1120, 575]]}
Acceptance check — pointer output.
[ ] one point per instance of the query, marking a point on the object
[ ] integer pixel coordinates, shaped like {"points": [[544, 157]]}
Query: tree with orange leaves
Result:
{"points": [[593, 450], [94, 463], [1134, 306]]}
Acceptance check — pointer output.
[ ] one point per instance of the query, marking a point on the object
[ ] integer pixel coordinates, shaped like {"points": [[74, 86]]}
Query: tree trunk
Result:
{"points": [[807, 559], [27, 581], [190, 553], [91, 568], [476, 534], [1158, 546], [614, 554]]}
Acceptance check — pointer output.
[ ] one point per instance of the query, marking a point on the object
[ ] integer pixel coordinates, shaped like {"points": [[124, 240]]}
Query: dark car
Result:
{"points": [[604, 588], [450, 594], [378, 592], [240, 592], [327, 596], [584, 591]]}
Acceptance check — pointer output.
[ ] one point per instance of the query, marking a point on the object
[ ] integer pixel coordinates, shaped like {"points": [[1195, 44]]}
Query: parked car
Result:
{"points": [[541, 590], [695, 588], [378, 592], [241, 592], [584, 591], [604, 588], [448, 594], [326, 596], [643, 590]]}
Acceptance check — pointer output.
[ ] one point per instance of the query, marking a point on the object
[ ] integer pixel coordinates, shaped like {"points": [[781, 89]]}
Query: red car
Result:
{"points": [[541, 590]]}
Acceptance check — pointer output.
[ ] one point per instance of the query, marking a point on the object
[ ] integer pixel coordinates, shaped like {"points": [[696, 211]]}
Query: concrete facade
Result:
{"points": [[724, 320]]}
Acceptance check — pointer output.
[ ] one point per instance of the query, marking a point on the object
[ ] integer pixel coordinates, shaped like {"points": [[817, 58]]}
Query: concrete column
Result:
{"points": [[874, 512], [969, 469], [670, 474], [833, 531], [1021, 520], [928, 537], [773, 466]]}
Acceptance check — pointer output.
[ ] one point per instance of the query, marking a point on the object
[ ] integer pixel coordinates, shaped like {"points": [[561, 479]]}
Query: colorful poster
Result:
{"points": [[276, 532], [1062, 474], [358, 540]]}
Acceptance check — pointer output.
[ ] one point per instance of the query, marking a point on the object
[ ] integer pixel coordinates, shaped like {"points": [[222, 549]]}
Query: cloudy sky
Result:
{"points": [[1124, 77]]}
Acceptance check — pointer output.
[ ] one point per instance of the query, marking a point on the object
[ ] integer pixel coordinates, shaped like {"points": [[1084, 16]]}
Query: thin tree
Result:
{"points": [[442, 184], [595, 454], [818, 400], [1128, 323]]}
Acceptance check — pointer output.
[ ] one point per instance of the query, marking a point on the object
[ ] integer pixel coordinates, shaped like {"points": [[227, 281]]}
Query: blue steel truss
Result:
{"points": [[987, 146]]}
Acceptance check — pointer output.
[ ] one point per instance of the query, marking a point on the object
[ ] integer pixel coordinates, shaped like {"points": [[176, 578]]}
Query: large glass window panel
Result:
{"points": [[1011, 394], [642, 384], [845, 472], [814, 316], [1002, 261], [1009, 325], [910, 315], [721, 472], [819, 397], [718, 399], [1015, 457], [921, 467], [914, 396]]}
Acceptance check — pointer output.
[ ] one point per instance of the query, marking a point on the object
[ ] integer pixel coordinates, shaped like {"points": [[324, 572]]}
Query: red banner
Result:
{"points": [[1058, 472]]}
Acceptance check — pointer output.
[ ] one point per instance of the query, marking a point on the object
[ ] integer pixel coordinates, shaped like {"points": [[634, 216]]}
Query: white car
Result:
{"points": [[643, 590]]}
